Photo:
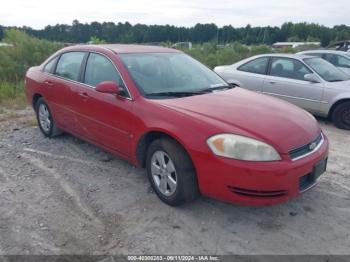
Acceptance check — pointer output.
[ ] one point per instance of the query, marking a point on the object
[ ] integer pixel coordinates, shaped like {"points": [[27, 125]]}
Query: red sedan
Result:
{"points": [[159, 108]]}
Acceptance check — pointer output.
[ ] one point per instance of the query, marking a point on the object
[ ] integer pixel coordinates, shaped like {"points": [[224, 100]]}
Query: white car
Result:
{"points": [[340, 59], [306, 81]]}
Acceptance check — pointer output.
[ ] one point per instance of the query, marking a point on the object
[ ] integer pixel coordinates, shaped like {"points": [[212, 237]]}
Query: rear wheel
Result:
{"points": [[45, 120], [171, 172], [341, 116]]}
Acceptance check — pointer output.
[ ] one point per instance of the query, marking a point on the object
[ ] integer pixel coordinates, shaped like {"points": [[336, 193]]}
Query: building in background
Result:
{"points": [[294, 44]]}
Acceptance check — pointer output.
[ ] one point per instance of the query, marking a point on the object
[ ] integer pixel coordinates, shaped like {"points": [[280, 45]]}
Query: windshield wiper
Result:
{"points": [[190, 93], [214, 88], [336, 80], [178, 94]]}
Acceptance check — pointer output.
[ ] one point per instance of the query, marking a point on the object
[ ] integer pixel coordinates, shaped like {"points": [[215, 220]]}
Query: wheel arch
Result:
{"points": [[340, 101], [147, 138], [35, 99]]}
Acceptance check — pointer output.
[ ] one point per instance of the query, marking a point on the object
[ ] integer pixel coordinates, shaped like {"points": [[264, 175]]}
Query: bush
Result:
{"points": [[213, 55], [26, 52], [12, 95], [14, 61]]}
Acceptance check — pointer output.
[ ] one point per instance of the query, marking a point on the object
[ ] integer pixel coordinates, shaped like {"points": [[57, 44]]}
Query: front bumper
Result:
{"points": [[256, 183]]}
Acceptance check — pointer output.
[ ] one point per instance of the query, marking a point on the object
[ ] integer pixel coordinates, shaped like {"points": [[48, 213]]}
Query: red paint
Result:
{"points": [[117, 124]]}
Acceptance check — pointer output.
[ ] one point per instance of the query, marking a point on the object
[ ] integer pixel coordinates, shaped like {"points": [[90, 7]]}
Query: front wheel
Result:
{"points": [[45, 120], [171, 172], [341, 116]]}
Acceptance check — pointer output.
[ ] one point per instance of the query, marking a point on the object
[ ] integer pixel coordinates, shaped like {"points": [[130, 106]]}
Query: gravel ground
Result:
{"points": [[65, 196]]}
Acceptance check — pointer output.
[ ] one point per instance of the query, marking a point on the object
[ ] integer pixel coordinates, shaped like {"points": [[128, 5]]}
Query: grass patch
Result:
{"points": [[12, 95]]}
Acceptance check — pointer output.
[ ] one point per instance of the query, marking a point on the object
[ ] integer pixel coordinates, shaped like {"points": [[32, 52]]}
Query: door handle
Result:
{"points": [[272, 82], [48, 83]]}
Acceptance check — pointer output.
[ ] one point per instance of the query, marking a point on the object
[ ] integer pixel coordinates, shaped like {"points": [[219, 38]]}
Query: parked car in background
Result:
{"points": [[306, 81], [339, 59], [280, 45], [342, 46], [159, 108]]}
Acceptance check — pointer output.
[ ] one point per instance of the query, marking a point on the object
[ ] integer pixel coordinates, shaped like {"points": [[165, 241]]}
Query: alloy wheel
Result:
{"points": [[163, 173], [44, 118]]}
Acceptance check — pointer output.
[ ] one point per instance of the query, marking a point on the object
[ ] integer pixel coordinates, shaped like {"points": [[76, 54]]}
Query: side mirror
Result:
{"points": [[312, 78], [109, 87]]}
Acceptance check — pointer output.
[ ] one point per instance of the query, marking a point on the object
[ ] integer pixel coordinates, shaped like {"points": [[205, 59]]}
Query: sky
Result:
{"points": [[39, 13]]}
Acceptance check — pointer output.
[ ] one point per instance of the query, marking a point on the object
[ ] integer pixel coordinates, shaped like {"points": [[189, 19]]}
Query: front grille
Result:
{"points": [[305, 150], [257, 193]]}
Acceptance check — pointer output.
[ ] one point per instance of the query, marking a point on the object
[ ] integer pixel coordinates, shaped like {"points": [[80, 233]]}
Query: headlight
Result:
{"points": [[242, 148]]}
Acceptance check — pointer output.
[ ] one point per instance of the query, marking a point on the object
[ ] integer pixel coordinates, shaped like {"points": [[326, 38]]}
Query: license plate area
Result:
{"points": [[320, 168], [307, 181]]}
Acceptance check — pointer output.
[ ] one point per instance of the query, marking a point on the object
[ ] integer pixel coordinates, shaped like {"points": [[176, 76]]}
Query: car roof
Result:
{"points": [[123, 48], [295, 56], [327, 51]]}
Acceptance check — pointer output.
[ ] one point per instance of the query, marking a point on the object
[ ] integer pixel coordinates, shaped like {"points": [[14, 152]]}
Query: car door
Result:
{"points": [[105, 118], [64, 86], [285, 80], [249, 75]]}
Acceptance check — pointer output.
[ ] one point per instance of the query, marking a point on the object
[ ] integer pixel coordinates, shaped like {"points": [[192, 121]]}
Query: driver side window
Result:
{"points": [[288, 68], [99, 69]]}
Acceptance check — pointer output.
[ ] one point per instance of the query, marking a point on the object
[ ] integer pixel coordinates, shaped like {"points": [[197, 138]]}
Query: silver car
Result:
{"points": [[306, 81], [339, 59]]}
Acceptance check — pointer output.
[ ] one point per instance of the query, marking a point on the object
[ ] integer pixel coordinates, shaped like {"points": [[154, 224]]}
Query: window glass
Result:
{"points": [[169, 72], [49, 67], [333, 59], [337, 60], [99, 69], [288, 68], [327, 71], [69, 65], [257, 66], [343, 61]]}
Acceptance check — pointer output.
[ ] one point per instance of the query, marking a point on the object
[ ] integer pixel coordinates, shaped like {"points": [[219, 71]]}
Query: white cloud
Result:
{"points": [[39, 13]]}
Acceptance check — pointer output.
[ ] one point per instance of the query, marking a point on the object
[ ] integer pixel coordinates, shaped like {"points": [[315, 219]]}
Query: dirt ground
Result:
{"points": [[65, 196]]}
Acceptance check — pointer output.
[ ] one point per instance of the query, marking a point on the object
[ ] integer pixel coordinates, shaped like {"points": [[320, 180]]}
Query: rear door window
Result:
{"points": [[256, 66], [50, 66], [69, 65]]}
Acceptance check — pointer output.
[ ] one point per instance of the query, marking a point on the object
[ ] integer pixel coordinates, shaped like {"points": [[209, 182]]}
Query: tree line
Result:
{"points": [[140, 33]]}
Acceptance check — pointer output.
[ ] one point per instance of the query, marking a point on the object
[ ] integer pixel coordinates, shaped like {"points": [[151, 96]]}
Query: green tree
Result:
{"points": [[26, 52], [95, 41], [140, 33], [1, 33]]}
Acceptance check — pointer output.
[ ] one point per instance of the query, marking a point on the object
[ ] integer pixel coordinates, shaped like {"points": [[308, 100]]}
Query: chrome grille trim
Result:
{"points": [[319, 144]]}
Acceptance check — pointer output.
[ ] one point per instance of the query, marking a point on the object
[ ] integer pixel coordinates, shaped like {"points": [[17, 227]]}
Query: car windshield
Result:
{"points": [[171, 74], [326, 70]]}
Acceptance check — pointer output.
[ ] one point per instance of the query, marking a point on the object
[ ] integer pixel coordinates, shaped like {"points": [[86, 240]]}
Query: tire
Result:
{"points": [[186, 188], [45, 121], [341, 116]]}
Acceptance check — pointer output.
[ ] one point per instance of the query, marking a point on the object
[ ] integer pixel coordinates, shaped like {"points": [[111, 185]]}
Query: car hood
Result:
{"points": [[243, 112], [219, 69], [342, 85]]}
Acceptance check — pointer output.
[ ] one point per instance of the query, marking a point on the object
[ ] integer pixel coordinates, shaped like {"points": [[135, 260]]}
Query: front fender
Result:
{"points": [[345, 96]]}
